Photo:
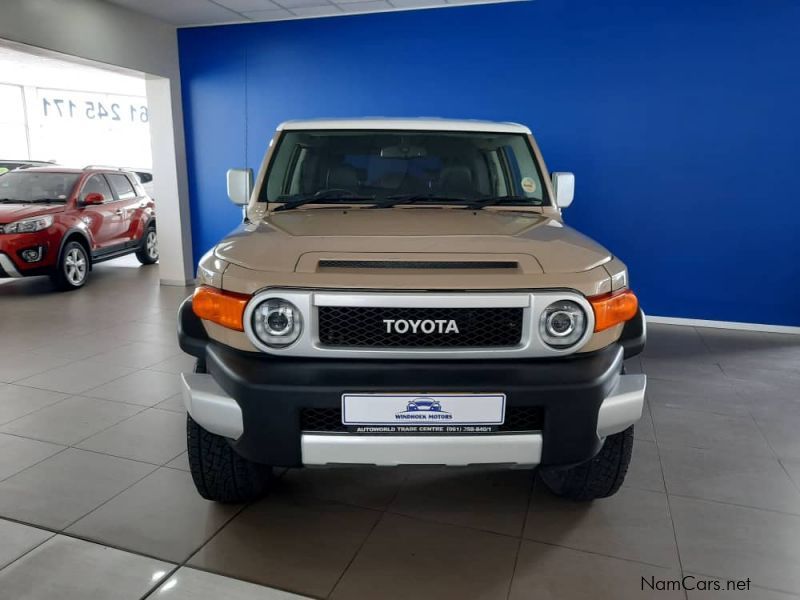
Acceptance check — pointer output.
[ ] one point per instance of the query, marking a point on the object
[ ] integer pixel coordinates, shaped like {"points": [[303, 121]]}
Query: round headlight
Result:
{"points": [[277, 322], [562, 324]]}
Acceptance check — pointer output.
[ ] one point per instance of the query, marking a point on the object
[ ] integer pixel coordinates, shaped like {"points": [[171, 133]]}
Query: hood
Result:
{"points": [[15, 212], [280, 242]]}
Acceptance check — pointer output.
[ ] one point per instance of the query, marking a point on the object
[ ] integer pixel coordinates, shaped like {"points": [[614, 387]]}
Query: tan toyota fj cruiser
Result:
{"points": [[405, 291]]}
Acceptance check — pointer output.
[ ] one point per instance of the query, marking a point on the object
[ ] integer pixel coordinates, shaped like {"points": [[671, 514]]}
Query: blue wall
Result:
{"points": [[680, 119]]}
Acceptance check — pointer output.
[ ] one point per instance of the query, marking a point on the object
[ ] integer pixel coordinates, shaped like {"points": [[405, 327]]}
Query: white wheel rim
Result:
{"points": [[152, 244], [75, 266]]}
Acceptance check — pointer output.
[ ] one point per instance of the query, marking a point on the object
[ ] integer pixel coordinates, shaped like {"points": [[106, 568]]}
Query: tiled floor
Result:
{"points": [[96, 500]]}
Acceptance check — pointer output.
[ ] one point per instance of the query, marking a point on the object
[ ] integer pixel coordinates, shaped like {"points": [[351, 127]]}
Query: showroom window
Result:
{"points": [[13, 135]]}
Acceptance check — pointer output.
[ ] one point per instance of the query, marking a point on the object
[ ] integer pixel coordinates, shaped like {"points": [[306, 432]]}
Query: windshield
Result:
{"points": [[370, 166], [30, 186]]}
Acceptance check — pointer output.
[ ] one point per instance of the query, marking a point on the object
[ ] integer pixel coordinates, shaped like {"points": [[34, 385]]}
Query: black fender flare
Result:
{"points": [[150, 221], [70, 233], [634, 335], [192, 336]]}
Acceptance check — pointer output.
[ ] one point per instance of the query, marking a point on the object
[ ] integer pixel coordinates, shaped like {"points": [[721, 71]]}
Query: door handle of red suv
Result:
{"points": [[119, 211]]}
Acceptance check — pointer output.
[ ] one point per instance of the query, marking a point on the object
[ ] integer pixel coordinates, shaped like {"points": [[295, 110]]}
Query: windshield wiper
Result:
{"points": [[321, 196], [391, 201], [500, 200]]}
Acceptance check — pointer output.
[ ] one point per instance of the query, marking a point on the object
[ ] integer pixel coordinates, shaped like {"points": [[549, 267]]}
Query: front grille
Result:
{"points": [[518, 418], [321, 419], [364, 326], [523, 418], [416, 264]]}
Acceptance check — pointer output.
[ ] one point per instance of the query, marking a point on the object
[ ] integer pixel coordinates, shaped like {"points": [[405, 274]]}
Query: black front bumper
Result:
{"points": [[273, 392]]}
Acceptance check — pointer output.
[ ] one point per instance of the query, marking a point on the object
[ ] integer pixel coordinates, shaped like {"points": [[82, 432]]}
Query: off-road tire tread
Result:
{"points": [[599, 477], [219, 473]]}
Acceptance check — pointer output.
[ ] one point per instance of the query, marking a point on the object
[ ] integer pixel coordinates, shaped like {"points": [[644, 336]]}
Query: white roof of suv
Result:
{"points": [[417, 124]]}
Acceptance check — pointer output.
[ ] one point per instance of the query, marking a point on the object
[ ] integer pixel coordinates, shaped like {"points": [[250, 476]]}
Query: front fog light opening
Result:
{"points": [[32, 255], [277, 323], [562, 324]]}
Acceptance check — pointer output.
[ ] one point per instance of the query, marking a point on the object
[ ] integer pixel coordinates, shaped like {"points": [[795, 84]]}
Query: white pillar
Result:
{"points": [[170, 182]]}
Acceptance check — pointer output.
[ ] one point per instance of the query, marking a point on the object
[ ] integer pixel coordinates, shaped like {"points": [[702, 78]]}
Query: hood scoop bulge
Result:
{"points": [[350, 265]]}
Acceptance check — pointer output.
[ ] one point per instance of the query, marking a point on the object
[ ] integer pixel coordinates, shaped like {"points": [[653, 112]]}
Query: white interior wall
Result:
{"points": [[93, 30]]}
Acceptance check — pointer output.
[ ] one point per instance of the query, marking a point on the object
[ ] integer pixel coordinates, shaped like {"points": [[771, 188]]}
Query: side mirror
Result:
{"points": [[93, 199], [240, 184], [564, 187]]}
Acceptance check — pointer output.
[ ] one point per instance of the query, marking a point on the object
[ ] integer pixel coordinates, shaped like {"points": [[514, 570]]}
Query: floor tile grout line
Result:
{"points": [[143, 408], [765, 437], [155, 406], [136, 460], [64, 533], [102, 504], [666, 492], [24, 554], [4, 479], [185, 562], [524, 538], [703, 340], [600, 554], [785, 470], [521, 537], [166, 577], [33, 439], [66, 364], [531, 487], [246, 579], [68, 396], [194, 551], [447, 524], [735, 505], [358, 551], [132, 371], [78, 393], [75, 445], [749, 417]]}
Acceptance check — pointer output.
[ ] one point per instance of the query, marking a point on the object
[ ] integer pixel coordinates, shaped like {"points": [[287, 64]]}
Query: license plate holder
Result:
{"points": [[423, 413]]}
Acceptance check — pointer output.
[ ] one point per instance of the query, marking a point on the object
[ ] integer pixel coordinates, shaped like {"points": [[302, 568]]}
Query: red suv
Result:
{"points": [[59, 222]]}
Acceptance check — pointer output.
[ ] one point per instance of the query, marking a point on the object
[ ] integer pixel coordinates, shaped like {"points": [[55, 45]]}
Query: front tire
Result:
{"points": [[599, 477], [72, 270], [219, 473], [148, 252]]}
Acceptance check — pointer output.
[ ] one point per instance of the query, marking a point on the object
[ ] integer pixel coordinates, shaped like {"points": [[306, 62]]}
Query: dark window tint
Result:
{"points": [[96, 184], [144, 177], [380, 164], [122, 186]]}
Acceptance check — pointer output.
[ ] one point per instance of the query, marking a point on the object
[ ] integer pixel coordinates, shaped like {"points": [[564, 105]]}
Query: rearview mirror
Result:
{"points": [[94, 198], [240, 184], [403, 152], [564, 188]]}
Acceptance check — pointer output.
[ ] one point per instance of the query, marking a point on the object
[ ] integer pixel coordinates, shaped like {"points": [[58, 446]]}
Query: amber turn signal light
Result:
{"points": [[220, 307], [613, 309]]}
